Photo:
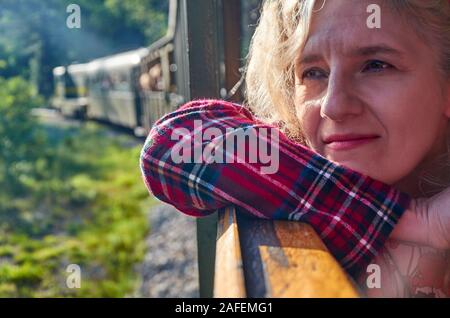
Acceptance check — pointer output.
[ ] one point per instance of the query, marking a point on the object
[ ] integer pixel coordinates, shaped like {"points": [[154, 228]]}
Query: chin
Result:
{"points": [[364, 170]]}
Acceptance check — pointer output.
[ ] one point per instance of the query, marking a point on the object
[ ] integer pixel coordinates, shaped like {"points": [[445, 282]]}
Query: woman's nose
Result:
{"points": [[340, 101]]}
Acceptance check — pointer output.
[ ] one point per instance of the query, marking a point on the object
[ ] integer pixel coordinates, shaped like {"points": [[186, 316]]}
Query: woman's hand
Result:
{"points": [[412, 270], [409, 270], [437, 217], [427, 222]]}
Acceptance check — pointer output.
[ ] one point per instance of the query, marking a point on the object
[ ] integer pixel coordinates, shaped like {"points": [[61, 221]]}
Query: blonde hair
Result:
{"points": [[281, 35]]}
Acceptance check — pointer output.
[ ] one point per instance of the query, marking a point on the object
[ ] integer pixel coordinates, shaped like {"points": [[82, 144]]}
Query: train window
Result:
{"points": [[152, 80], [107, 83], [119, 81]]}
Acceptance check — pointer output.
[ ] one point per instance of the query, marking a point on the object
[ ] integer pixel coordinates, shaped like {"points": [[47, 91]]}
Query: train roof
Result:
{"points": [[125, 59], [121, 60], [78, 68], [73, 69], [59, 71]]}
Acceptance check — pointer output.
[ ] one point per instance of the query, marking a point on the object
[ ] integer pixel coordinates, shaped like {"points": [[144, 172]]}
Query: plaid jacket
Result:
{"points": [[352, 213]]}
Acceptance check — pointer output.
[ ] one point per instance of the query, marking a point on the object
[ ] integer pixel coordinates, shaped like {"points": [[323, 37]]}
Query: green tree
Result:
{"points": [[21, 139]]}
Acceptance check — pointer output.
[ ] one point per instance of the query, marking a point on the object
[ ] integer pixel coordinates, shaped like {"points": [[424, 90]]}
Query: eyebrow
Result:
{"points": [[362, 51], [371, 50]]}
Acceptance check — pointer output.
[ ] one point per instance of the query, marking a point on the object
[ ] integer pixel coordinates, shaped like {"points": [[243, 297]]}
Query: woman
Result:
{"points": [[389, 87], [360, 129]]}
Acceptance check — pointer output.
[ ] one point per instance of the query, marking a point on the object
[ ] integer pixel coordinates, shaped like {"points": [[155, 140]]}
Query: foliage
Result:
{"points": [[17, 132], [70, 195]]}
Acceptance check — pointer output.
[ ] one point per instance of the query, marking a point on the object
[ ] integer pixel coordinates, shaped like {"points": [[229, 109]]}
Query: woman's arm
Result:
{"points": [[353, 214]]}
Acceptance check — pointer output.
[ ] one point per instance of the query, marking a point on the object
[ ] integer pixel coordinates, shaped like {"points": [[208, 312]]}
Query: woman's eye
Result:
{"points": [[376, 66], [314, 74]]}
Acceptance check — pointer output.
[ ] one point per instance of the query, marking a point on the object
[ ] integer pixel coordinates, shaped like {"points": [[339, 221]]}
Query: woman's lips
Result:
{"points": [[350, 144]]}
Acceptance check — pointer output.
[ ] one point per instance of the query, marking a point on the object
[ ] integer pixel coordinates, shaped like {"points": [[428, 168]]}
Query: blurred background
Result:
{"points": [[80, 87]]}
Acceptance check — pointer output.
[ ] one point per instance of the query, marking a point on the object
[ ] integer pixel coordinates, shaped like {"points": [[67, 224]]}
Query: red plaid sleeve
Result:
{"points": [[352, 213]]}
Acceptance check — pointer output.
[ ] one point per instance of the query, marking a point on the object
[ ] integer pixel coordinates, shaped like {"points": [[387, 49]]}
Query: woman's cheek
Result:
{"points": [[310, 122]]}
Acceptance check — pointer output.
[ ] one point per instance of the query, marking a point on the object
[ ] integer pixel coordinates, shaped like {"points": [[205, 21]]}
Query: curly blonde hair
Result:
{"points": [[281, 35]]}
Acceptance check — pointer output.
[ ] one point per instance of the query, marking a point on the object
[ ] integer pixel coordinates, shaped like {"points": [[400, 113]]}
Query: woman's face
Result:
{"points": [[370, 99]]}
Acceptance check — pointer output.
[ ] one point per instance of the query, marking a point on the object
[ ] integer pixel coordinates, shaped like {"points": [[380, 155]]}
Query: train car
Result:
{"points": [[131, 89], [71, 92], [113, 90], [135, 88]]}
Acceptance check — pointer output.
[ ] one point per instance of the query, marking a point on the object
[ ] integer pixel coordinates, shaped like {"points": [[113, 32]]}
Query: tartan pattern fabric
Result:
{"points": [[352, 213]]}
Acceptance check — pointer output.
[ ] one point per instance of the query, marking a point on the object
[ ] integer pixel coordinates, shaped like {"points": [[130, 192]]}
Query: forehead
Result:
{"points": [[342, 26]]}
